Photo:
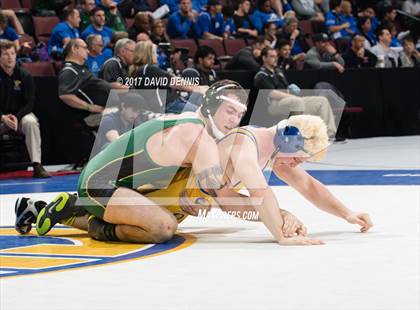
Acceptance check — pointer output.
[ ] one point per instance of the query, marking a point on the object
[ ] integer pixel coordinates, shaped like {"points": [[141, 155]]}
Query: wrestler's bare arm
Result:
{"points": [[319, 195]]}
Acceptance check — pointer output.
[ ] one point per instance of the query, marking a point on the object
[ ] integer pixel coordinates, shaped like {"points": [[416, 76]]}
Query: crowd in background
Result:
{"points": [[101, 44]]}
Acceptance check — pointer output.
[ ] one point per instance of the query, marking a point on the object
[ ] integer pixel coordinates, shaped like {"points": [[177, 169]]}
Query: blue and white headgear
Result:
{"points": [[289, 141]]}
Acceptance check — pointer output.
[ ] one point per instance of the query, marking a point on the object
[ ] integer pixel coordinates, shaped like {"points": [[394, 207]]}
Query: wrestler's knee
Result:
{"points": [[164, 230]]}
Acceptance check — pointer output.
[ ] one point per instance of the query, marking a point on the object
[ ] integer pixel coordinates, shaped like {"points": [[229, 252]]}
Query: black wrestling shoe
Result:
{"points": [[26, 211], [61, 208]]}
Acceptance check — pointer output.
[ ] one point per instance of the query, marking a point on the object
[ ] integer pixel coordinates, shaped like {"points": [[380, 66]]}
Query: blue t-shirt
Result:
{"points": [[353, 24], [59, 33], [334, 19], [178, 26], [206, 23], [259, 18], [105, 33], [9, 34], [199, 5], [229, 26], [111, 121], [94, 64]]}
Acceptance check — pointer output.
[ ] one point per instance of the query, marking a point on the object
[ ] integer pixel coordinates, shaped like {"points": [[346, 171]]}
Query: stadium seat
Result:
{"points": [[306, 26], [10, 4], [25, 18], [39, 68], [318, 27], [233, 46], [214, 44], [187, 43], [44, 26], [27, 38], [27, 4], [58, 65]]}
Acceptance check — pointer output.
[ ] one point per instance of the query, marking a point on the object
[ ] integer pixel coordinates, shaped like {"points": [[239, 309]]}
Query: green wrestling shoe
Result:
{"points": [[61, 208]]}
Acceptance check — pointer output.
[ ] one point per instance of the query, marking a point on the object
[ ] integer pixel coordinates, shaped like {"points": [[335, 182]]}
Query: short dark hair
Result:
{"points": [[267, 49], [6, 44], [203, 51], [68, 11], [259, 40], [408, 39], [132, 100], [96, 9], [228, 11], [380, 30], [282, 42], [261, 3], [361, 21], [334, 4]]}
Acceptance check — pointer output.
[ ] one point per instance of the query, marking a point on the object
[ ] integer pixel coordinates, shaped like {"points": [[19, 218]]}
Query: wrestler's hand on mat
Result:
{"points": [[192, 205], [362, 219], [300, 240], [292, 225]]}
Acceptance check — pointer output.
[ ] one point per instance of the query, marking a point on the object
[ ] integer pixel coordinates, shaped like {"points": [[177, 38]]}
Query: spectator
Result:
{"points": [[387, 57], [390, 13], [358, 56], [364, 27], [248, 57], [347, 16], [323, 55], [395, 42], [114, 18], [159, 34], [308, 9], [78, 88], [270, 34], [243, 23], [199, 6], [286, 61], [229, 24], [281, 102], [411, 7], [97, 54], [292, 33], [181, 24], [14, 21], [116, 68], [64, 32], [211, 24], [116, 36], [151, 79], [336, 25], [97, 17], [141, 25], [8, 33], [263, 14], [203, 66], [17, 98], [409, 56], [130, 8], [87, 7], [281, 7], [114, 124], [369, 12]]}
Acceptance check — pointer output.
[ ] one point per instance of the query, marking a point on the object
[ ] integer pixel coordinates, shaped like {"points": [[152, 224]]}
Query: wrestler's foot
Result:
{"points": [[26, 211], [61, 208]]}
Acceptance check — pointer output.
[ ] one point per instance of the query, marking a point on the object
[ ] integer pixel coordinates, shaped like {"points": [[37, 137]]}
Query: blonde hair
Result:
{"points": [[314, 130], [143, 54]]}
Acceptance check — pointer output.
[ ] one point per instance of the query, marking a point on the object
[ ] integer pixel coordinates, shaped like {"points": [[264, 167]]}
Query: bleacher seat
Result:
{"points": [[27, 38], [10, 4], [187, 43], [233, 46], [27, 4], [214, 44], [25, 19], [43, 68], [306, 26], [44, 26], [58, 65]]}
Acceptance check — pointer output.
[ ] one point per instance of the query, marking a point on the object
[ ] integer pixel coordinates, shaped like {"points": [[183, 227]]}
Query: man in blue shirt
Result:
{"points": [[97, 54], [8, 33], [64, 31], [211, 24], [181, 23], [264, 14], [346, 16], [97, 17], [336, 25]]}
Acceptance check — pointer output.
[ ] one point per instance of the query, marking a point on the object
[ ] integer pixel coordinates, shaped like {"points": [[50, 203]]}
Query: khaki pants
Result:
{"points": [[314, 105], [29, 126]]}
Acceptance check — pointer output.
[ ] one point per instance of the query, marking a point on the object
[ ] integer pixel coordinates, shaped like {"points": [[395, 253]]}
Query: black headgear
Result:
{"points": [[212, 98]]}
